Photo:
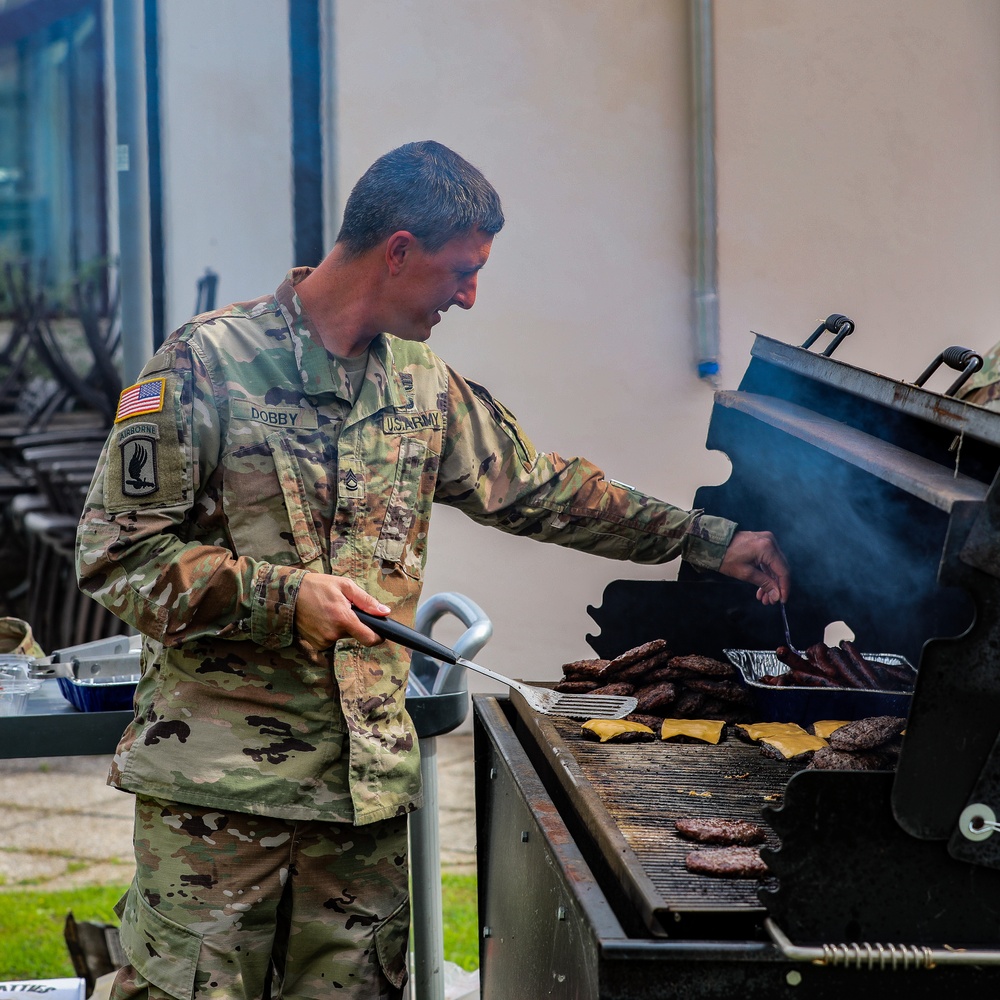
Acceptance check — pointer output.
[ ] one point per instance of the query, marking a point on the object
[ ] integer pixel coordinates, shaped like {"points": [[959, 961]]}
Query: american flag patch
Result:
{"points": [[144, 397]]}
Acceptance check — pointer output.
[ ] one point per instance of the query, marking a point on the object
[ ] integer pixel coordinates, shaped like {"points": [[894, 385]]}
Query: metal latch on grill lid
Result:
{"points": [[837, 324], [961, 359]]}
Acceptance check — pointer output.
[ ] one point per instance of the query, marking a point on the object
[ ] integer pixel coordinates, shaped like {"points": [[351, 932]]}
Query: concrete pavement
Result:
{"points": [[62, 827]]}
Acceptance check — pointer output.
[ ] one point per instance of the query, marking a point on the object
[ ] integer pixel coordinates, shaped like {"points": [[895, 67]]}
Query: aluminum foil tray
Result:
{"points": [[810, 704], [99, 694]]}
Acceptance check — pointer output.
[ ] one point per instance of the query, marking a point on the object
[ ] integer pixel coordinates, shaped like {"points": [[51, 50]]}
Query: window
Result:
{"points": [[52, 138]]}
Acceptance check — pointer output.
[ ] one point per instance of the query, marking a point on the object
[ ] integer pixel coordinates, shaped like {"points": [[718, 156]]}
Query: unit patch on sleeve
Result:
{"points": [[140, 476], [147, 465]]}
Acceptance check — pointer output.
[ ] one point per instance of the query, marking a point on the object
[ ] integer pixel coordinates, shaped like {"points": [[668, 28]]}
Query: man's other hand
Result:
{"points": [[323, 612], [754, 556]]}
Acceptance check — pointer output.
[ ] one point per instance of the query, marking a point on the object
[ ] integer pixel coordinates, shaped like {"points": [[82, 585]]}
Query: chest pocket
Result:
{"points": [[403, 536], [268, 506], [297, 505]]}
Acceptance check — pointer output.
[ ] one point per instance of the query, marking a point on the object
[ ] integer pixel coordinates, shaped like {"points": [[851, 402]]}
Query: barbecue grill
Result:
{"points": [[882, 495]]}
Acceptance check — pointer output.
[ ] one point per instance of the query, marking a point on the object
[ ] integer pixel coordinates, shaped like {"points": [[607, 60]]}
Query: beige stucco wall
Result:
{"points": [[859, 172]]}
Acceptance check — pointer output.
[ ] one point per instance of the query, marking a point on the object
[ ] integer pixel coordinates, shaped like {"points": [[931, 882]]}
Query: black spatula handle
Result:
{"points": [[405, 636]]}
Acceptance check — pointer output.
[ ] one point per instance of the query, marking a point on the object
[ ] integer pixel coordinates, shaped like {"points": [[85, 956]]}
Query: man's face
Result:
{"points": [[428, 284]]}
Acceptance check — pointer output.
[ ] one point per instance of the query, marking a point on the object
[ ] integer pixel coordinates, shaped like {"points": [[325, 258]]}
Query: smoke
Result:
{"points": [[862, 551]]}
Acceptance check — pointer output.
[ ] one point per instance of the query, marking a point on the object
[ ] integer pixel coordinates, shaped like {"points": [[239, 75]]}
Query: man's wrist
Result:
{"points": [[705, 543], [272, 615]]}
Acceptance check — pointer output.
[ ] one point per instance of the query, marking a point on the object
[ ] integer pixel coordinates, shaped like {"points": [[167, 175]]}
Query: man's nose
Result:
{"points": [[466, 294]]}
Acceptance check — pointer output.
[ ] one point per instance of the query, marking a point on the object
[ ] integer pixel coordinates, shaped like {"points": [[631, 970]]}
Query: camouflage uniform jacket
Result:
{"points": [[983, 388], [243, 466]]}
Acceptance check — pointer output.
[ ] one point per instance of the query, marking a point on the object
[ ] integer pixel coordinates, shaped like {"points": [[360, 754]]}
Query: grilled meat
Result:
{"points": [[837, 666], [618, 688], [727, 862], [655, 696], [727, 690], [576, 687], [867, 734], [644, 667], [645, 719], [637, 654], [829, 759], [616, 731], [703, 666], [726, 832], [586, 669]]}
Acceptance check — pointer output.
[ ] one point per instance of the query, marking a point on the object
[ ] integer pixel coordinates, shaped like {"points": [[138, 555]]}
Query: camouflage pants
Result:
{"points": [[251, 907]]}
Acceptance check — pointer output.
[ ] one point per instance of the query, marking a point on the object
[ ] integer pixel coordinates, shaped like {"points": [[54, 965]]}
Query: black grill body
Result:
{"points": [[882, 495]]}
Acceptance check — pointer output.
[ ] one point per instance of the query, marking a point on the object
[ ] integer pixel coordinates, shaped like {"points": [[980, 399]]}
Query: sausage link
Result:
{"points": [[849, 677], [801, 679], [819, 656], [792, 659], [861, 666]]}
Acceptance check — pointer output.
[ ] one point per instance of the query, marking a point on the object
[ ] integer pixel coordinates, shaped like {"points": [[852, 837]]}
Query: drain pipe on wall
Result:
{"points": [[706, 280], [132, 171]]}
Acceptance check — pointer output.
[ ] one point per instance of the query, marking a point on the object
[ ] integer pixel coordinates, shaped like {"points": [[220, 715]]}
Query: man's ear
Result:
{"points": [[397, 249]]}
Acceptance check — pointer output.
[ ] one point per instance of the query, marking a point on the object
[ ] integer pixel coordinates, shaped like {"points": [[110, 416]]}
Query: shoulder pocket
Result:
{"points": [[507, 422], [403, 534], [163, 952]]}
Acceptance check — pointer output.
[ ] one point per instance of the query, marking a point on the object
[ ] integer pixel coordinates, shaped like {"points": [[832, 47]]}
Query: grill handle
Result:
{"points": [[881, 957], [837, 324], [961, 359]]}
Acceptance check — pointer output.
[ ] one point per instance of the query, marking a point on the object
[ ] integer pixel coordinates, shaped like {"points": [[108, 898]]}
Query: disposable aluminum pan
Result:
{"points": [[99, 694], [810, 704]]}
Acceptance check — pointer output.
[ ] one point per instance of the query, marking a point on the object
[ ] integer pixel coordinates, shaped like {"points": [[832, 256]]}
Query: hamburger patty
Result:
{"points": [[711, 830], [727, 862]]}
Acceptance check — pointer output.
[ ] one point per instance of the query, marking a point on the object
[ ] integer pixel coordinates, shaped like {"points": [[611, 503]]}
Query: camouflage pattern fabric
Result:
{"points": [[215, 893], [983, 388], [17, 638], [237, 465]]}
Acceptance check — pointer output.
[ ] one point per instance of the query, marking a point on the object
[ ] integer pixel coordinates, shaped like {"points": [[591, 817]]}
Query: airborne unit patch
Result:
{"points": [[139, 467]]}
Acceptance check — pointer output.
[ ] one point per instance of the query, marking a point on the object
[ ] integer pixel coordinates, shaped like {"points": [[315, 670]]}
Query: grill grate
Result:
{"points": [[629, 795]]}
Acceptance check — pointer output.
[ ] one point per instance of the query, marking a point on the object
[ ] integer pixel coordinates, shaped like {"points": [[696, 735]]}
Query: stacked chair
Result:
{"points": [[59, 387]]}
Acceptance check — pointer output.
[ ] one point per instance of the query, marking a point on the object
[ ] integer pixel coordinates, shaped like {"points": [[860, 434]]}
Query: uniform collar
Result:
{"points": [[320, 372]]}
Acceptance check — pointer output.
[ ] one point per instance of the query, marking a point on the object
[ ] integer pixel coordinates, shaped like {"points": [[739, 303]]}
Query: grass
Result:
{"points": [[459, 901], [31, 926]]}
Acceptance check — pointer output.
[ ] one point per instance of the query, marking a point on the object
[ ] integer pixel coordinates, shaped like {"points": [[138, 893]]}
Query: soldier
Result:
{"points": [[276, 464], [983, 388]]}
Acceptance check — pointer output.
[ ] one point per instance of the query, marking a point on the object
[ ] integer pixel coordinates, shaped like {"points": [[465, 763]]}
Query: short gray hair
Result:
{"points": [[424, 188]]}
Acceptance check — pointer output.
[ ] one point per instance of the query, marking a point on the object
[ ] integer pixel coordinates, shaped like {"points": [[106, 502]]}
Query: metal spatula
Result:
{"points": [[542, 700]]}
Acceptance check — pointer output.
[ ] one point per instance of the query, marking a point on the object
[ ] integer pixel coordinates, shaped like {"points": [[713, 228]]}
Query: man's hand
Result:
{"points": [[754, 556], [323, 611]]}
